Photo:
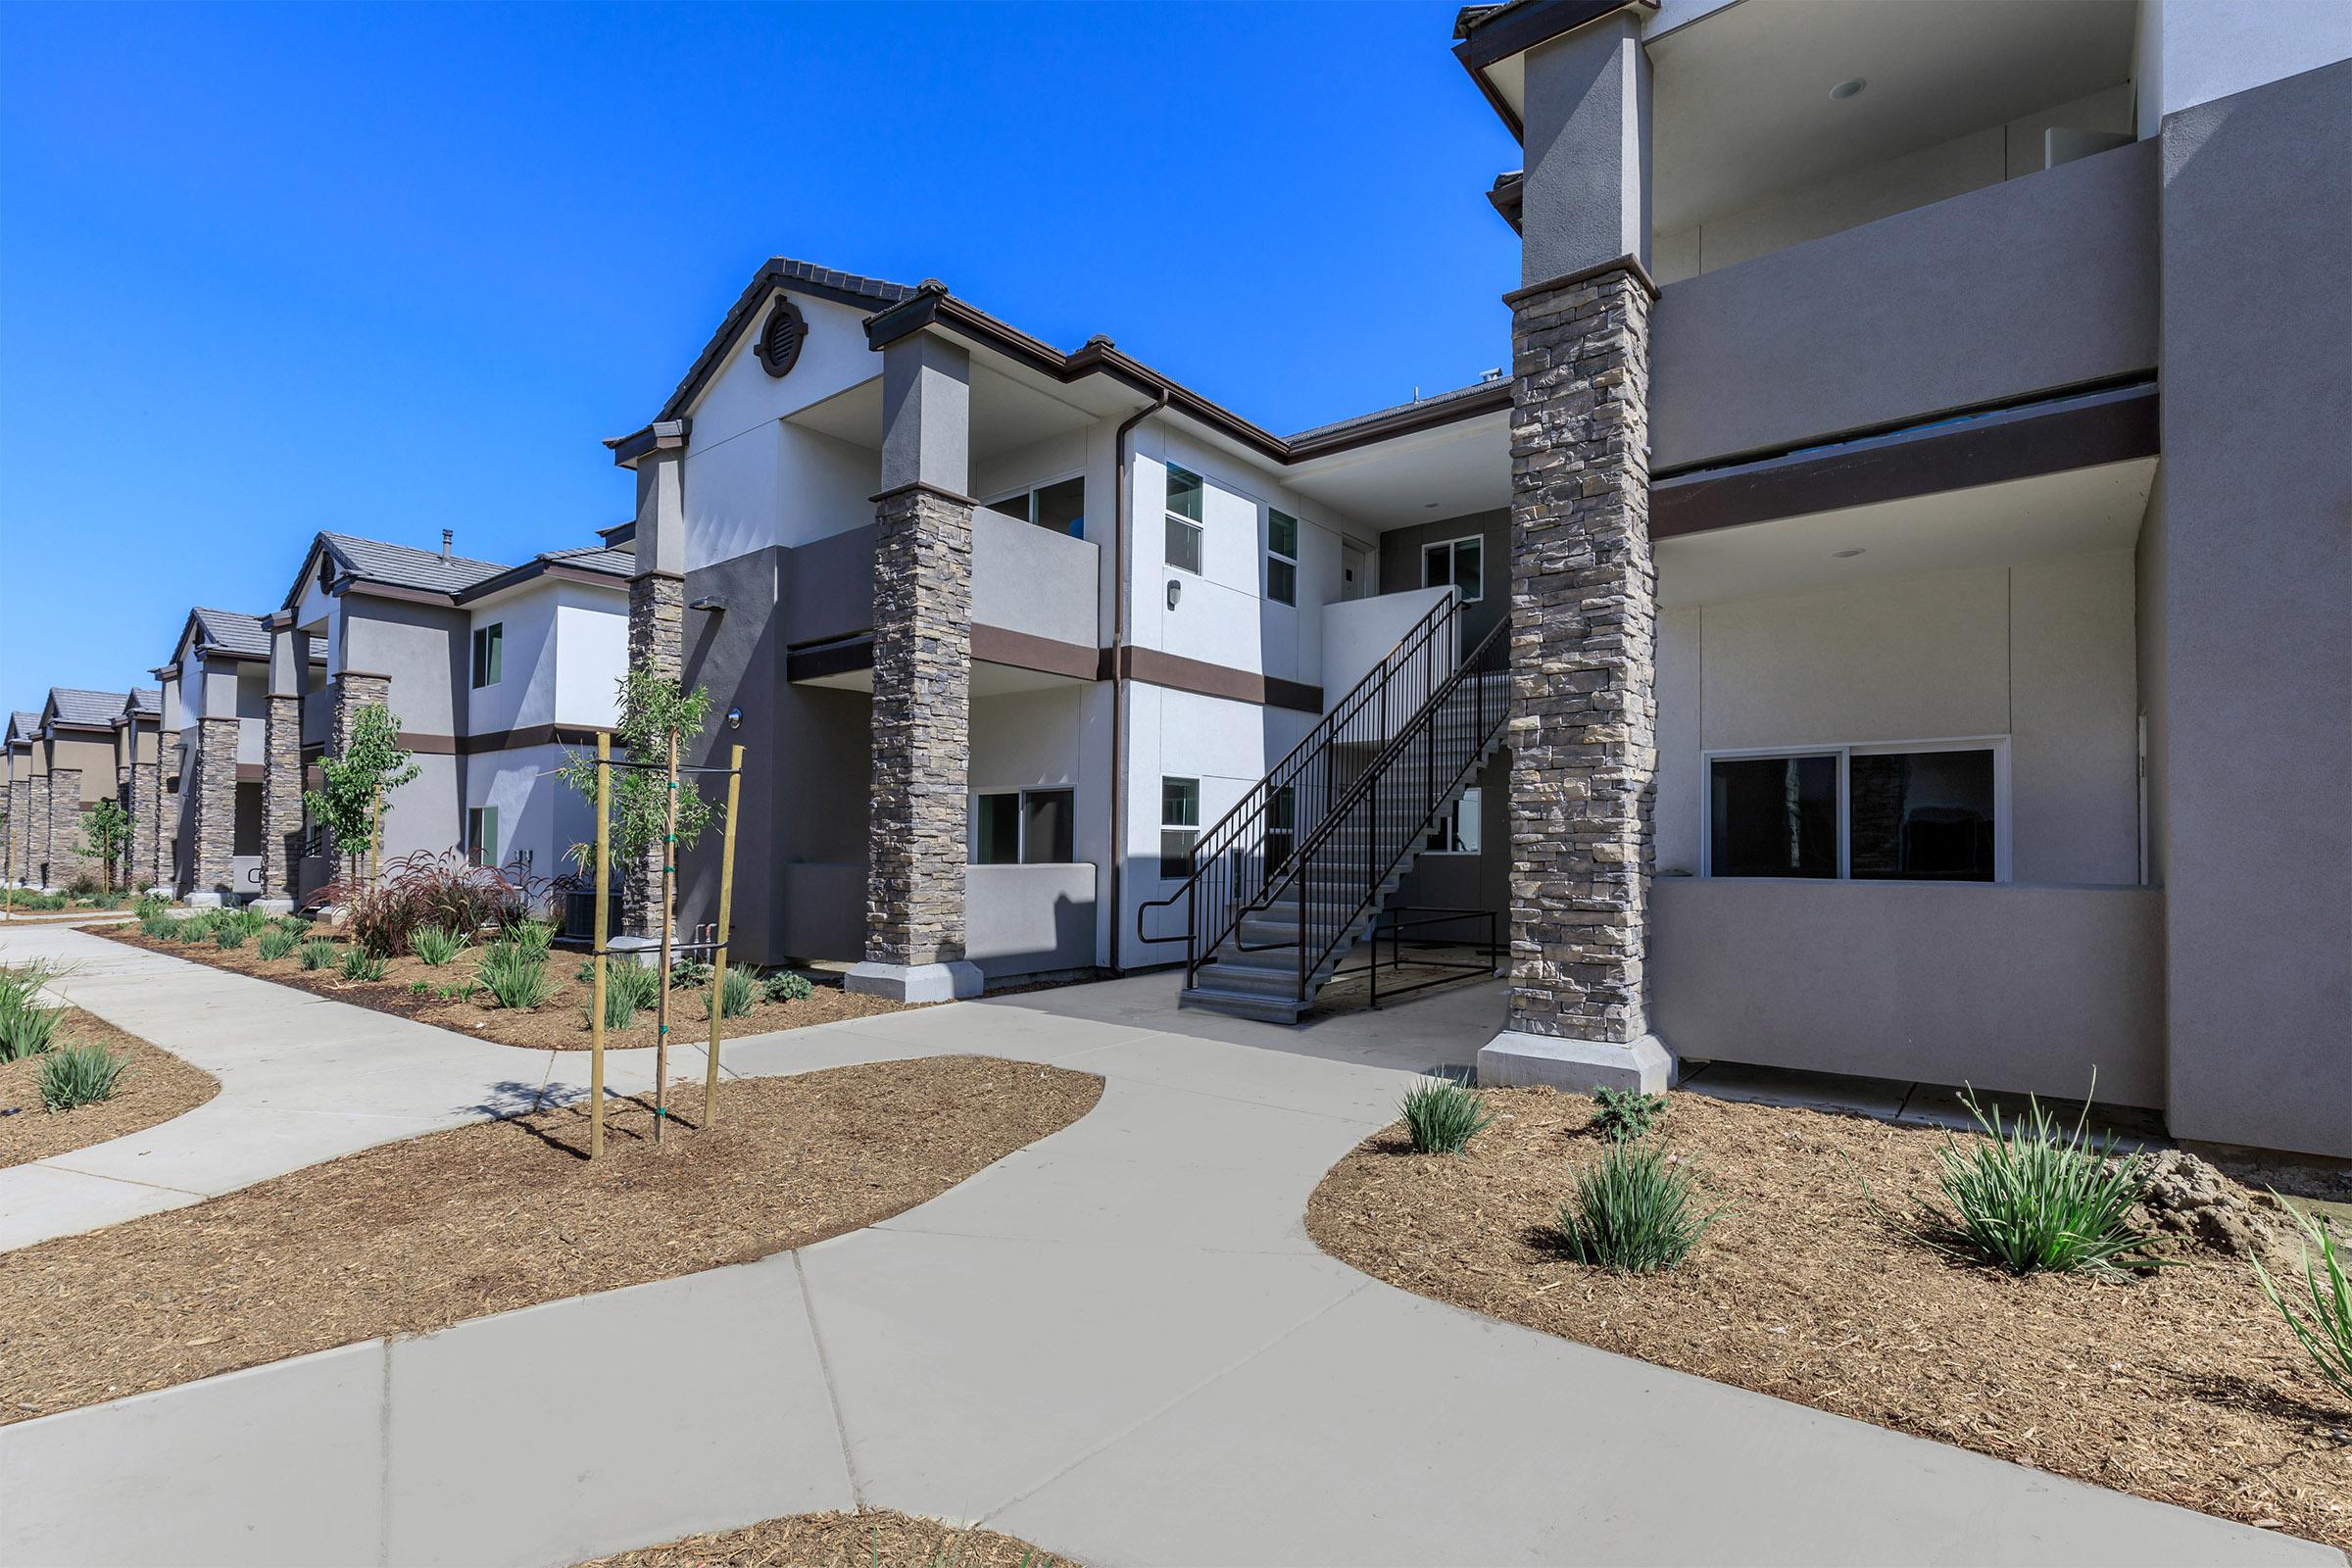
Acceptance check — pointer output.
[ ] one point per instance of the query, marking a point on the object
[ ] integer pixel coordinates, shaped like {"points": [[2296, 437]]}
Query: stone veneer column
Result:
{"points": [[215, 860], [281, 770], [657, 643], [20, 801], [921, 731], [144, 870], [36, 835], [1583, 718], [65, 861], [354, 689]]}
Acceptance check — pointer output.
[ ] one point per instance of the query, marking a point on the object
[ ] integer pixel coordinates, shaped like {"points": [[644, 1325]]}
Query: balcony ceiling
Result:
{"points": [[2068, 514], [1741, 109], [1456, 468], [1010, 411]]}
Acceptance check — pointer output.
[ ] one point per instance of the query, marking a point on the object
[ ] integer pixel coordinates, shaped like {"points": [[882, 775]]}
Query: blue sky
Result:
{"points": [[268, 270]]}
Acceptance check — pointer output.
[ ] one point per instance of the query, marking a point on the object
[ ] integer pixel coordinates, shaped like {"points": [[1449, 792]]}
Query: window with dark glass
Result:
{"points": [[1282, 556], [1059, 505], [1460, 562], [1179, 826], [489, 653], [481, 835], [997, 829], [1282, 826], [1462, 829], [1048, 831], [1772, 817], [1184, 520], [1919, 817]]}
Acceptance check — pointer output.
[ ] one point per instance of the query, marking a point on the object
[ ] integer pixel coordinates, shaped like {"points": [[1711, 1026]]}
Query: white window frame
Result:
{"points": [[1020, 823], [1845, 752], [489, 635], [1470, 793], [1297, 530], [1028, 492], [1199, 529], [1199, 809], [1448, 546]]}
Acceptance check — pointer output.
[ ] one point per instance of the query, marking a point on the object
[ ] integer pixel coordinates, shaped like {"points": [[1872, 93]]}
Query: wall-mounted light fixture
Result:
{"points": [[1175, 591], [708, 606], [734, 719], [1848, 88], [1845, 555]]}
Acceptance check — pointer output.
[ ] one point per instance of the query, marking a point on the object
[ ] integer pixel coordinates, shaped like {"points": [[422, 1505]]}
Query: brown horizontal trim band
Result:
{"points": [[1173, 670], [998, 645], [1627, 262], [2018, 443], [954, 498], [516, 740], [249, 772], [429, 744]]}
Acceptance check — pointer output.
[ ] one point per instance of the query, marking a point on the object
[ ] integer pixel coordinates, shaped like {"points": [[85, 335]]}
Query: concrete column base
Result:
{"points": [[160, 892], [205, 901], [272, 905], [643, 951], [1513, 1059], [915, 982]]}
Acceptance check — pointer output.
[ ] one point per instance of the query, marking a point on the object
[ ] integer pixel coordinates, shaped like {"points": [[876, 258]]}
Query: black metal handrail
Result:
{"points": [[1232, 861]]}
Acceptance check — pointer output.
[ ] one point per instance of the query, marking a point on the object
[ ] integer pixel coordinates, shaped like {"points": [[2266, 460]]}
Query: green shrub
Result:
{"points": [[788, 987], [361, 964], [686, 975], [515, 976], [1441, 1116], [2029, 1197], [231, 935], [20, 982], [420, 988], [79, 1075], [463, 990], [620, 1004], [2327, 1336], [85, 886], [147, 905], [25, 1030], [1632, 1211], [642, 986], [318, 952], [435, 946], [1619, 1115], [532, 936], [736, 992], [247, 921], [275, 943], [157, 926], [196, 928]]}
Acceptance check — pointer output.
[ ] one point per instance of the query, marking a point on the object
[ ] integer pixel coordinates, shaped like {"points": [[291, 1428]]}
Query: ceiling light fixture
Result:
{"points": [[1844, 555], [1848, 88]]}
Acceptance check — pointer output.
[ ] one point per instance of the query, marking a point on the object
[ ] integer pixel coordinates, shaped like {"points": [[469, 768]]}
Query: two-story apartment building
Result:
{"points": [[1892, 390], [20, 835], [62, 762]]}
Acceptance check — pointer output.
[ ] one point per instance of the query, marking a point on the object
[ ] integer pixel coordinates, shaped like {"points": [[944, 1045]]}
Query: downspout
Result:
{"points": [[1120, 510]]}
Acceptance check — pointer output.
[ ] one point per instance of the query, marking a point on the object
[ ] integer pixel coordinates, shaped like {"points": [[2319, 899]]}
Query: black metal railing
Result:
{"points": [[1236, 860], [1335, 876]]}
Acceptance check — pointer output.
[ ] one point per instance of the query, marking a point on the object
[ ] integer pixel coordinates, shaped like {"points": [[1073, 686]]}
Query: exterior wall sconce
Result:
{"points": [[1175, 591], [708, 606], [734, 719]]}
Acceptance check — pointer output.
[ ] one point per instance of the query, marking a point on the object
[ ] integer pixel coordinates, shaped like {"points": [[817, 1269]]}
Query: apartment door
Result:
{"points": [[1355, 573]]}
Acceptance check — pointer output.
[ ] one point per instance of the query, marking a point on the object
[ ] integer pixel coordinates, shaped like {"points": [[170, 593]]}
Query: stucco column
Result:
{"points": [[65, 860], [281, 770], [657, 636], [916, 848], [214, 857], [1584, 588]]}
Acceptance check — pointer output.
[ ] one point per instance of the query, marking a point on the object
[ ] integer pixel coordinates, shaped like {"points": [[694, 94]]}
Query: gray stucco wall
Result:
{"points": [[2257, 588], [1401, 565], [1030, 919], [2007, 987], [427, 652], [1034, 580], [2034, 284]]}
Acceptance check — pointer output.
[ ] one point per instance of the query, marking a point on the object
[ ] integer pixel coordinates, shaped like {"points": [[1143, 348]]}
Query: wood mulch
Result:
{"points": [[560, 1024], [415, 1235], [2180, 1385], [865, 1539], [156, 1087]]}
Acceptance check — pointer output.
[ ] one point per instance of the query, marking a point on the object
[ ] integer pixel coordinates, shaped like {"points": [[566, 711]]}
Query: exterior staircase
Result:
{"points": [[1287, 883]]}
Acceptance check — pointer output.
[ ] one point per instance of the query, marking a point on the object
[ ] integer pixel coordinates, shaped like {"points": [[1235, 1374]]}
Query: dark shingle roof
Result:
{"points": [[403, 567], [22, 725], [75, 706], [146, 702], [1435, 401], [595, 558], [778, 271], [232, 631]]}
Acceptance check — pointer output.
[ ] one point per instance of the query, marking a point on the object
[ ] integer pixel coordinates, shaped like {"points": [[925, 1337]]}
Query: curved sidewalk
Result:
{"points": [[1119, 1343]]}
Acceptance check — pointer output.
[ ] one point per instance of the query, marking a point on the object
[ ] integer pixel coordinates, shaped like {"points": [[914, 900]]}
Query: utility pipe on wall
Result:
{"points": [[1122, 512]]}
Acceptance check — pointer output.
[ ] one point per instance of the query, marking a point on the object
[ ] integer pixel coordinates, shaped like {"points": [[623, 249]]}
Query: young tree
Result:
{"points": [[105, 835], [653, 712], [373, 764]]}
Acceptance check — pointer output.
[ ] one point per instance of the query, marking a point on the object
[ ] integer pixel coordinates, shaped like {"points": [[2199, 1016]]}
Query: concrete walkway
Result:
{"points": [[303, 1079], [1119, 1343]]}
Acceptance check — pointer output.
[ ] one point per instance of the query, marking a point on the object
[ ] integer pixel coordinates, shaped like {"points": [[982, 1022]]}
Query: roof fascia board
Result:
{"points": [[1523, 27], [535, 570], [767, 281]]}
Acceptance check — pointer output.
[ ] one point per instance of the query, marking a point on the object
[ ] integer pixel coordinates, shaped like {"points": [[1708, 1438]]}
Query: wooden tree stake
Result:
{"points": [[595, 1006], [726, 916]]}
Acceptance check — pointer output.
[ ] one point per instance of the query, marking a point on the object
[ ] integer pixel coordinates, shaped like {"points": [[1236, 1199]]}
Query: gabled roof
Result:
{"points": [[71, 704], [595, 558], [228, 631], [146, 702], [21, 727], [404, 565], [804, 277], [1494, 392]]}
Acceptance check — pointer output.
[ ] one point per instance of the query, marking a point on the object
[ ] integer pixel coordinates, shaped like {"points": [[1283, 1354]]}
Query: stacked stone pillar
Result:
{"points": [[145, 869], [36, 830], [65, 860], [657, 643], [354, 689], [281, 769], [213, 861], [20, 802], [1584, 586]]}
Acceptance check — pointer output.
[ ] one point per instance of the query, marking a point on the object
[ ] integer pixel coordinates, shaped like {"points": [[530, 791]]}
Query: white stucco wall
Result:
{"points": [[536, 813], [2041, 652], [592, 653], [525, 690], [2190, 52]]}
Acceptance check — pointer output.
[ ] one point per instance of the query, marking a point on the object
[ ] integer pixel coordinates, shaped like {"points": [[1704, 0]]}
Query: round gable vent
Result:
{"points": [[780, 339]]}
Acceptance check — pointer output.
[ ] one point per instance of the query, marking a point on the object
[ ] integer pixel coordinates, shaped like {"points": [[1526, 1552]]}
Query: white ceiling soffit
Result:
{"points": [[2069, 514], [1456, 468], [1007, 414], [1741, 100]]}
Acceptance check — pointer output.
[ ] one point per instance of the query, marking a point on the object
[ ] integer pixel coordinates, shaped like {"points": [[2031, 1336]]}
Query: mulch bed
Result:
{"points": [[2180, 1385], [858, 1540], [415, 1235], [560, 1024], [157, 1086]]}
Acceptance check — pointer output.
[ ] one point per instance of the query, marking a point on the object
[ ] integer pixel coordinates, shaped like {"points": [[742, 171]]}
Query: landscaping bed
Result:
{"points": [[560, 1024], [871, 1535], [2182, 1385], [156, 1086], [415, 1235]]}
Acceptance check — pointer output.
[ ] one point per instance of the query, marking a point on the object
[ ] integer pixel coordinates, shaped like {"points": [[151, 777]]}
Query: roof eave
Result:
{"points": [[1509, 30]]}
